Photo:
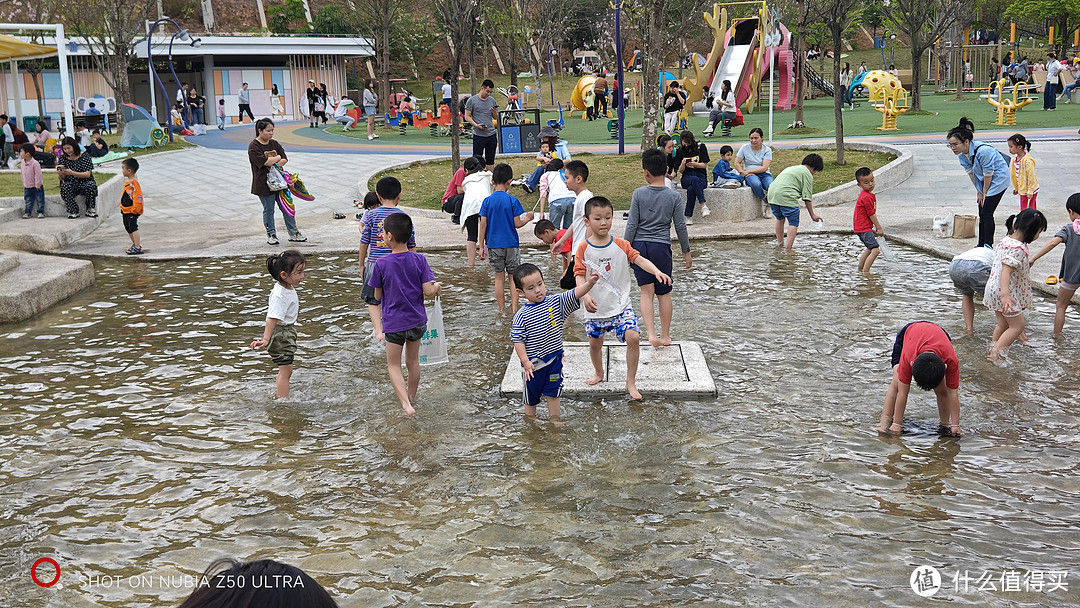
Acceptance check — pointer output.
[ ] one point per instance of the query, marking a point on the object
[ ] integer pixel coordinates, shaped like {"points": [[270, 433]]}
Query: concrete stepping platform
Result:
{"points": [[679, 369], [31, 284]]}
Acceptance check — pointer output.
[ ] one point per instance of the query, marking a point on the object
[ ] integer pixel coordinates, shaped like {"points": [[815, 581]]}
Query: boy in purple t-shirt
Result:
{"points": [[401, 280], [373, 246]]}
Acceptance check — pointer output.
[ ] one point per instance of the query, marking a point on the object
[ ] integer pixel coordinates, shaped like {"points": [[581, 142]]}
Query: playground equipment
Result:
{"points": [[885, 93], [738, 56], [1006, 108]]}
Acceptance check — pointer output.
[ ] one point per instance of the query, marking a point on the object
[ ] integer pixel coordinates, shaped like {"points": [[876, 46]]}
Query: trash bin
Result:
{"points": [[29, 122]]}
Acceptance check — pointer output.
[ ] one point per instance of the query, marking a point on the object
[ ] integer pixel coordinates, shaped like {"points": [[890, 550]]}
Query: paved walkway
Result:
{"points": [[199, 204]]}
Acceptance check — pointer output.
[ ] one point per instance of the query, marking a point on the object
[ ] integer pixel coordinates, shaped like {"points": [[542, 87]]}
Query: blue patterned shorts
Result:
{"points": [[620, 324]]}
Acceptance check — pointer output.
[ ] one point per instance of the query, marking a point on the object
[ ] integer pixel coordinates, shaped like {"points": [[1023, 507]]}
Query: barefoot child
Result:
{"points": [[923, 353], [653, 209], [608, 308], [866, 221], [373, 246], [969, 272], [402, 279], [792, 185], [1069, 274], [546, 232], [131, 204], [279, 337], [1022, 169], [1008, 291], [500, 216], [537, 337], [577, 174], [475, 187]]}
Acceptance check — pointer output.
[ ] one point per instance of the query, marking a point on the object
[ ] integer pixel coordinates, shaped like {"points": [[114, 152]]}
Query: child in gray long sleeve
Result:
{"points": [[653, 208]]}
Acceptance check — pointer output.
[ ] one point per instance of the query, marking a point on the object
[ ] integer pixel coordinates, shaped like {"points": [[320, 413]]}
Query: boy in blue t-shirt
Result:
{"points": [[537, 337], [500, 216], [373, 245], [722, 171]]}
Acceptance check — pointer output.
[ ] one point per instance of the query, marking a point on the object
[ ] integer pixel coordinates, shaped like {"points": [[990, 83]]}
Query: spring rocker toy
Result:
{"points": [[1006, 108]]}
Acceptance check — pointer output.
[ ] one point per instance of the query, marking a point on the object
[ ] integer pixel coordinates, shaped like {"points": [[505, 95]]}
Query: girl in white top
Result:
{"points": [[279, 336], [553, 188], [475, 188]]}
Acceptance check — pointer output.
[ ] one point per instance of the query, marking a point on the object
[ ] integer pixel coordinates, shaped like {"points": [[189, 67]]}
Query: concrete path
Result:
{"points": [[199, 204]]}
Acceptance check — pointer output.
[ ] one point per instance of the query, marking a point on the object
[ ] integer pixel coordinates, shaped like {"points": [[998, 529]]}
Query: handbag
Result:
{"points": [[275, 180], [433, 342], [320, 106]]}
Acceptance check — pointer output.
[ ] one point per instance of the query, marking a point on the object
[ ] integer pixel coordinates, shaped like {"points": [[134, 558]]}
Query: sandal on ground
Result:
{"points": [[134, 250]]}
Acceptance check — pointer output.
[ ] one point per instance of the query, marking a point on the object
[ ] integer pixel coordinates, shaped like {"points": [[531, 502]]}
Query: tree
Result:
{"points": [[288, 17], [923, 21], [873, 16], [1063, 14], [376, 19], [33, 11], [545, 21], [333, 20], [458, 19], [111, 30], [838, 15], [652, 63]]}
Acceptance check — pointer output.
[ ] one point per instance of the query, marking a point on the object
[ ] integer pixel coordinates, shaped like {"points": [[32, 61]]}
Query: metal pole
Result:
{"points": [[619, 77], [772, 72], [65, 82]]}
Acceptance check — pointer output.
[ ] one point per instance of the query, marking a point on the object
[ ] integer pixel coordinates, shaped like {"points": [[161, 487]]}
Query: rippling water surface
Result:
{"points": [[138, 439]]}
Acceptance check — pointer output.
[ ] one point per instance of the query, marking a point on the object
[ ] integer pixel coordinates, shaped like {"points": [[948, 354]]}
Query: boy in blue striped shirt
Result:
{"points": [[537, 337]]}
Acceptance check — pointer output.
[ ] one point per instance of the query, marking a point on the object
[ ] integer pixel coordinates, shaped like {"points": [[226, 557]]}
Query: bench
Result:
{"points": [[728, 205], [905, 78], [92, 121]]}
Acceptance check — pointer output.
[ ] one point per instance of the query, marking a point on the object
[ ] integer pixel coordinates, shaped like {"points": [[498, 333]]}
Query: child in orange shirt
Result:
{"points": [[131, 204]]}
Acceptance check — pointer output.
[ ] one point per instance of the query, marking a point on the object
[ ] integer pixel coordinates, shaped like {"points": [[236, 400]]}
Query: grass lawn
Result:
{"points": [[610, 175], [11, 183], [177, 144], [940, 113]]}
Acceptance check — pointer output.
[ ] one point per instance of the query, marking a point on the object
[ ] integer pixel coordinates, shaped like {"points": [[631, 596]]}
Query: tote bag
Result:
{"points": [[433, 342]]}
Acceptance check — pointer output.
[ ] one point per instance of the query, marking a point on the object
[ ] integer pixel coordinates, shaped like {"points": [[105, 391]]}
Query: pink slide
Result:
{"points": [[742, 41]]}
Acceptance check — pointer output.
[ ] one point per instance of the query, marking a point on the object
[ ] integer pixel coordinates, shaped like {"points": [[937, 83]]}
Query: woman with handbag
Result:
{"points": [[266, 157]]}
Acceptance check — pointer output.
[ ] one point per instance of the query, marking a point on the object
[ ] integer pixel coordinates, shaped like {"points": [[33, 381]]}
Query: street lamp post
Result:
{"points": [[617, 93], [184, 37], [892, 49]]}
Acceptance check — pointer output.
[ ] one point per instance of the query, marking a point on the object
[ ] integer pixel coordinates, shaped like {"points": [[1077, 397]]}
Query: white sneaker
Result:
{"points": [[376, 136], [370, 137], [705, 210], [689, 222]]}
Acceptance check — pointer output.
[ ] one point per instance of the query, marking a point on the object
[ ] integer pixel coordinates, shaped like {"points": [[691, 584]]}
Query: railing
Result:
{"points": [[818, 82]]}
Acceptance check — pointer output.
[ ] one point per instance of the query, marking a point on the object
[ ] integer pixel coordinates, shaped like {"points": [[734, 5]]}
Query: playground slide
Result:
{"points": [[736, 65]]}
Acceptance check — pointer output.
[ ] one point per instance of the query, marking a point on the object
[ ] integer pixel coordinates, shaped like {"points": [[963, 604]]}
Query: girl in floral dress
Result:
{"points": [[1008, 291]]}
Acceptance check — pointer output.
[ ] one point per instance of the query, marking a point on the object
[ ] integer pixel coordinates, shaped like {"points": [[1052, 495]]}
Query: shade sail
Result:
{"points": [[14, 48]]}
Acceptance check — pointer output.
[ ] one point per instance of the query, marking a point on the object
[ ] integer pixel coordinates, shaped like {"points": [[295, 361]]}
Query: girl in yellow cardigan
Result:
{"points": [[1024, 181]]}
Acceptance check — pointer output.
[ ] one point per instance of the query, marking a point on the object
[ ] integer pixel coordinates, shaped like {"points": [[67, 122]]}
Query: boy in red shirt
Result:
{"points": [[865, 220], [924, 353], [546, 232]]}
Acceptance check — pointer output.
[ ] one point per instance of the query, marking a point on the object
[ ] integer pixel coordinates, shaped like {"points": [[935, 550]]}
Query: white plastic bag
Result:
{"points": [[275, 180], [198, 129], [433, 342], [886, 251]]}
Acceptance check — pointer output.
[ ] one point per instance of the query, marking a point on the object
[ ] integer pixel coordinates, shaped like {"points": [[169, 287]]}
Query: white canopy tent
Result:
{"points": [[14, 50]]}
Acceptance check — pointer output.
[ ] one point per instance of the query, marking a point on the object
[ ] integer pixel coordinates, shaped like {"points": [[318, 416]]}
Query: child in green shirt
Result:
{"points": [[792, 185]]}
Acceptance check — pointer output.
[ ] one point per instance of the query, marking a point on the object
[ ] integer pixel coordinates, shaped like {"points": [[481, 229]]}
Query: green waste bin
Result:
{"points": [[29, 122]]}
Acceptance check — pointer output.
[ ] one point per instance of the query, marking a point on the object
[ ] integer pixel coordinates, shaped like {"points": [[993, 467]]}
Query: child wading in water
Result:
{"points": [[866, 223], [1022, 170], [537, 337], [1008, 292], [608, 309], [1069, 274], [402, 279], [279, 337]]}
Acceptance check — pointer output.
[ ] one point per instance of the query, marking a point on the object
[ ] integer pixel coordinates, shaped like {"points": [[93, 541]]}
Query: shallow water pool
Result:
{"points": [[138, 442]]}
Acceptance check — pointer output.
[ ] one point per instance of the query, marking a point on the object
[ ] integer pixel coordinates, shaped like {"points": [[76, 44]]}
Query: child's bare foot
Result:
{"points": [[631, 388], [556, 422], [409, 411], [1023, 337], [655, 341], [595, 379], [995, 357], [888, 430], [665, 341], [969, 332]]}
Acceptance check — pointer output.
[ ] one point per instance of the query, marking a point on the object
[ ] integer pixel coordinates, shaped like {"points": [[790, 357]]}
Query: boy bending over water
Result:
{"points": [[923, 352]]}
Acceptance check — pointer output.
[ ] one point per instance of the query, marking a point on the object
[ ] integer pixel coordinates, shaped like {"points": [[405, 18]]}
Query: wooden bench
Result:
{"points": [[905, 78]]}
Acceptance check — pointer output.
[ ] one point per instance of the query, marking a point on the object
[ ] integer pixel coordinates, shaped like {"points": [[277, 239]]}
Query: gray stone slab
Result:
{"points": [[39, 282], [679, 369]]}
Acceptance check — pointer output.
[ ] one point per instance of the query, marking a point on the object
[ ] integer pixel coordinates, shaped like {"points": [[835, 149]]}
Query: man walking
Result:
{"points": [[480, 112]]}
